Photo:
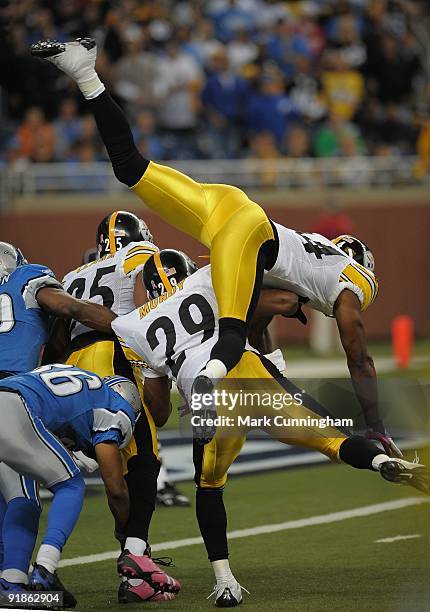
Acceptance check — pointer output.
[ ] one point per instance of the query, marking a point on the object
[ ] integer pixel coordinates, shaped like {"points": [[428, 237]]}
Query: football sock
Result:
{"points": [[162, 478], [128, 164], [20, 526], [136, 546], [359, 452], [222, 570], [231, 343], [48, 556], [141, 480], [65, 509], [212, 519], [15, 576]]}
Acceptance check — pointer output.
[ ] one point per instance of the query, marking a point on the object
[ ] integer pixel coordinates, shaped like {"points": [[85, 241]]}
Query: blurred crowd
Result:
{"points": [[222, 78]]}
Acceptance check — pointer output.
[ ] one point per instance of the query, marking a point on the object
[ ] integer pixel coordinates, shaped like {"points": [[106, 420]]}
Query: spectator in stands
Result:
{"points": [[224, 97], [44, 27], [305, 90], [263, 147], [178, 88], [231, 16], [331, 134], [241, 50], [343, 87], [285, 43], [35, 138], [393, 68], [68, 127], [145, 135], [136, 73], [203, 43], [270, 109], [297, 143]]}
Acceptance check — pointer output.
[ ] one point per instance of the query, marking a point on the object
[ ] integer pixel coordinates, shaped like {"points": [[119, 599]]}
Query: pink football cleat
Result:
{"points": [[134, 593], [134, 566]]}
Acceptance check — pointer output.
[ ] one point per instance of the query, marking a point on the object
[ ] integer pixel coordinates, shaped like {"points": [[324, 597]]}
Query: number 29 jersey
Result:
{"points": [[109, 280], [173, 335], [316, 269]]}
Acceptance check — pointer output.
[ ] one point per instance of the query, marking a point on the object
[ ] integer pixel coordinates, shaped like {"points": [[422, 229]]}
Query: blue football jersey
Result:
{"points": [[75, 405], [23, 325]]}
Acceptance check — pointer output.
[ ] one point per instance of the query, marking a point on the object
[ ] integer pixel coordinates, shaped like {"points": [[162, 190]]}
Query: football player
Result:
{"points": [[241, 238], [173, 334], [244, 243], [29, 294], [124, 244], [96, 416]]}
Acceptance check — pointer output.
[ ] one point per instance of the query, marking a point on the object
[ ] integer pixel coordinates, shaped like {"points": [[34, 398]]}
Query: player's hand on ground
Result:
{"points": [[391, 449]]}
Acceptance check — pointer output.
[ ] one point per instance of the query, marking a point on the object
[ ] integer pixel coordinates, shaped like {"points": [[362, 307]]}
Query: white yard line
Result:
{"points": [[321, 519], [412, 536]]}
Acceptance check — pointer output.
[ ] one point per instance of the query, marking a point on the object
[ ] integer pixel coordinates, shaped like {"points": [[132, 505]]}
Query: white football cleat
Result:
{"points": [[228, 594], [410, 473], [76, 59]]}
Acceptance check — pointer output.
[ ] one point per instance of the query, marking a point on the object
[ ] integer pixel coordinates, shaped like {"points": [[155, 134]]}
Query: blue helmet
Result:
{"points": [[10, 258]]}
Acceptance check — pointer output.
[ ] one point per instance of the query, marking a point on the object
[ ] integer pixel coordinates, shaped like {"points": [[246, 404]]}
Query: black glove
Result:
{"points": [[299, 314]]}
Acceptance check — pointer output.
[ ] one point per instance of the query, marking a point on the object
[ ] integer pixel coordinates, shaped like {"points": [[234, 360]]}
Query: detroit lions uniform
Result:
{"points": [[23, 332], [110, 281], [23, 325], [58, 402]]}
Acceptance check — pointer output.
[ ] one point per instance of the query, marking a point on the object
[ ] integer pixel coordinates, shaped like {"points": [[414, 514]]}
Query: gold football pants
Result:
{"points": [[222, 218], [106, 358], [251, 375]]}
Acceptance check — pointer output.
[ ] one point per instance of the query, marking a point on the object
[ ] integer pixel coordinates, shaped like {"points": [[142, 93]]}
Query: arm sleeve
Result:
{"points": [[37, 278]]}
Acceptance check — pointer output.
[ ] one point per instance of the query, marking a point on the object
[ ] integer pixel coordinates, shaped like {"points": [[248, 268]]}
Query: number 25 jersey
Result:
{"points": [[316, 269], [109, 280]]}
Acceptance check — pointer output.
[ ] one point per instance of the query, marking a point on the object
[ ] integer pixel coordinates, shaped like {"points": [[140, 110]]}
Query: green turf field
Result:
{"points": [[336, 566]]}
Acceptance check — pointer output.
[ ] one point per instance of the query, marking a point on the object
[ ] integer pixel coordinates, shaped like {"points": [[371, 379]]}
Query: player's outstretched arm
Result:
{"points": [[58, 302], [110, 464], [360, 364], [361, 367]]}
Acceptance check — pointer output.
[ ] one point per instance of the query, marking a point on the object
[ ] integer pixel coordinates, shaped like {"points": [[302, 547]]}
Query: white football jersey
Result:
{"points": [[174, 334], [315, 268], [109, 280]]}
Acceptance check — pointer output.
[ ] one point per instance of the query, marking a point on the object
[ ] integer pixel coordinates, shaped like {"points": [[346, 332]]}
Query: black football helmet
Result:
{"points": [[164, 270], [119, 229], [358, 250]]}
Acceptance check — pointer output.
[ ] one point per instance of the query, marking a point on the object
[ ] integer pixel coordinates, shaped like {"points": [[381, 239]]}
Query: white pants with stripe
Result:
{"points": [[28, 448]]}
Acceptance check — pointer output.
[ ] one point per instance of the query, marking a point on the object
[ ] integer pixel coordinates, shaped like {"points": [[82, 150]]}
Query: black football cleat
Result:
{"points": [[228, 594], [169, 496], [405, 472]]}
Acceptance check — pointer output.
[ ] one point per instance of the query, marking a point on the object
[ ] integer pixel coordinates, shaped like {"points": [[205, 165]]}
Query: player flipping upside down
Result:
{"points": [[173, 334], [245, 245], [241, 238]]}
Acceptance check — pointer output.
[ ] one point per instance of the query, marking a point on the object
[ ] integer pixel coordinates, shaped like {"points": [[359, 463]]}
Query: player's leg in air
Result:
{"points": [[242, 240], [213, 460]]}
